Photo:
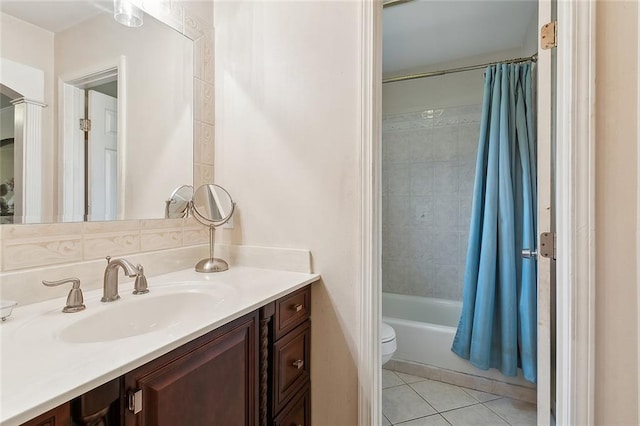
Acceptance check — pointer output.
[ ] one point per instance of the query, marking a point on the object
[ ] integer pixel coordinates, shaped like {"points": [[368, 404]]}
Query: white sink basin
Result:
{"points": [[140, 315], [169, 309]]}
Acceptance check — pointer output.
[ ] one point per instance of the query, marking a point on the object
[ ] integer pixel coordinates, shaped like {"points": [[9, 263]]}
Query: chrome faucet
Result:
{"points": [[110, 287], [75, 300]]}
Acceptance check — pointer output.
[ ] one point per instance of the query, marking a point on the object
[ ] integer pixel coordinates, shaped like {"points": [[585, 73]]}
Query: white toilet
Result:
{"points": [[388, 339]]}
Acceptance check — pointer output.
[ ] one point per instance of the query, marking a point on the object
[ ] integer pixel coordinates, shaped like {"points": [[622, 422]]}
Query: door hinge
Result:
{"points": [[85, 124], [134, 401], [548, 39], [548, 245]]}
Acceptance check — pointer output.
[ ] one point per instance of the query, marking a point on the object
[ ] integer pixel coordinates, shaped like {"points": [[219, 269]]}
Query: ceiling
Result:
{"points": [[425, 32], [55, 15], [415, 34]]}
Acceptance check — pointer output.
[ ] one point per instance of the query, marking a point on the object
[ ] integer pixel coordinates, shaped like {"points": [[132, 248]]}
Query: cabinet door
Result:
{"points": [[59, 416], [214, 384], [297, 412]]}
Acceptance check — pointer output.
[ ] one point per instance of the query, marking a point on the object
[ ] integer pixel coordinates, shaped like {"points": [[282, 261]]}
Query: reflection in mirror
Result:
{"points": [[212, 206], [6, 176], [116, 124], [6, 159], [178, 204]]}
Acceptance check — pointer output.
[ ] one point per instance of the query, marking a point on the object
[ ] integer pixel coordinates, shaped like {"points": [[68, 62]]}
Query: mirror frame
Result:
{"points": [[56, 243]]}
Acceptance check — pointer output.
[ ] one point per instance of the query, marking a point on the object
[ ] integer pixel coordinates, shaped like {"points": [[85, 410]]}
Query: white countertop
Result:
{"points": [[40, 371]]}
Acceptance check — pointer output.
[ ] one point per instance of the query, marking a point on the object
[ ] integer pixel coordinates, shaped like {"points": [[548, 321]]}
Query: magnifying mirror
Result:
{"points": [[212, 206], [177, 206]]}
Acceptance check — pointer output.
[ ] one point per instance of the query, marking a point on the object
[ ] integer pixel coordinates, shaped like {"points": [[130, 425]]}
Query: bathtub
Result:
{"points": [[425, 328]]}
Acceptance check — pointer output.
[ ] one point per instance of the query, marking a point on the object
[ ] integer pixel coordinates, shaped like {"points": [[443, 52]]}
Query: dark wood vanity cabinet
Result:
{"points": [[254, 370], [59, 416], [285, 360], [211, 381], [298, 412]]}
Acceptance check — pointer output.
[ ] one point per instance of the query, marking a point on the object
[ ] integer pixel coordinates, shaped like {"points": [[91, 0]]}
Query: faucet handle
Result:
{"points": [[75, 301], [140, 286], [108, 259]]}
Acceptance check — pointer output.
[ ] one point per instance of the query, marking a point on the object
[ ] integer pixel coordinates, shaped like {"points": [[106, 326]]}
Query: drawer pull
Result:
{"points": [[298, 307], [298, 363]]}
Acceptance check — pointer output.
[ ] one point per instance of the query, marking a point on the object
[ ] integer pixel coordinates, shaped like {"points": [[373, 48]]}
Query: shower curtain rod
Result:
{"points": [[532, 58]]}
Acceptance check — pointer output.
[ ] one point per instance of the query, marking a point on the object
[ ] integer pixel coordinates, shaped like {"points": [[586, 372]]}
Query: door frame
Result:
{"points": [[638, 213], [114, 66], [575, 212], [638, 205]]}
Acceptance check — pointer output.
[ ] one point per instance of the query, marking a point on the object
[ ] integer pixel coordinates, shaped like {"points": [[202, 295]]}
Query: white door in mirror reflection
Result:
{"points": [[103, 156]]}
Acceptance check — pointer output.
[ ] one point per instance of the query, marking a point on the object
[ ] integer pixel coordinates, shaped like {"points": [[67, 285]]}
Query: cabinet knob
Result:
{"points": [[297, 307], [298, 363]]}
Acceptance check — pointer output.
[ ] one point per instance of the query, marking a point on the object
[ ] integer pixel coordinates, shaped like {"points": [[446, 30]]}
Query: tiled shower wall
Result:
{"points": [[428, 171]]}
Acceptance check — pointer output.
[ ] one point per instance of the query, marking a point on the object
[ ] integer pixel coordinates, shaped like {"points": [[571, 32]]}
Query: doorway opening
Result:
{"points": [[91, 147], [432, 112]]}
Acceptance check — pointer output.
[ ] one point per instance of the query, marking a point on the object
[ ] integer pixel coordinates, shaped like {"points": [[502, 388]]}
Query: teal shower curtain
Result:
{"points": [[497, 327]]}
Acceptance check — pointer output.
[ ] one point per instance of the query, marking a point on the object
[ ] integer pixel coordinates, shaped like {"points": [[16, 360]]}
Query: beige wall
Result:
{"points": [[287, 149], [616, 214], [286, 109]]}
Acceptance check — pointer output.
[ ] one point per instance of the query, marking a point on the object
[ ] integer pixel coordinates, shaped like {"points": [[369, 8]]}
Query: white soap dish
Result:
{"points": [[6, 307]]}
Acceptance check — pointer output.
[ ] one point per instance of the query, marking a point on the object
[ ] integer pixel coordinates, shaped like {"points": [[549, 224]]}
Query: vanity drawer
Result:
{"points": [[291, 356], [297, 412], [291, 311]]}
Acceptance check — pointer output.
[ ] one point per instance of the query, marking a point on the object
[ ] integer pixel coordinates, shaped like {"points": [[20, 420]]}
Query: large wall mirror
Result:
{"points": [[111, 107]]}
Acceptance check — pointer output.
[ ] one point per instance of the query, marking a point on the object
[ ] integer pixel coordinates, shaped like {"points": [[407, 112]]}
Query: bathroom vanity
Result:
{"points": [[246, 364]]}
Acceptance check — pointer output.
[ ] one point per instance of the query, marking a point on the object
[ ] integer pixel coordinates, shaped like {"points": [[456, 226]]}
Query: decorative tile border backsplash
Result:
{"points": [[429, 118], [30, 246]]}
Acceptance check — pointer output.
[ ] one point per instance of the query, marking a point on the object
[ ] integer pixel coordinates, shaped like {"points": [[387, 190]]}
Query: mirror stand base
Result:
{"points": [[211, 265]]}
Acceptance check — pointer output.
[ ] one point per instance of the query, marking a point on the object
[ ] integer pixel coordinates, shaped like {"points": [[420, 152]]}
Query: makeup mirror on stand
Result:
{"points": [[177, 206], [212, 206]]}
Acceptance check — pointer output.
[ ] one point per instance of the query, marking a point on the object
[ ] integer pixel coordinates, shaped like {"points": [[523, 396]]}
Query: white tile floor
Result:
{"points": [[413, 401]]}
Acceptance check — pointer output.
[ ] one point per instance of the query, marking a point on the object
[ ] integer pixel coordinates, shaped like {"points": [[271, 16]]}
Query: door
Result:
{"points": [[546, 222], [103, 156], [211, 381]]}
